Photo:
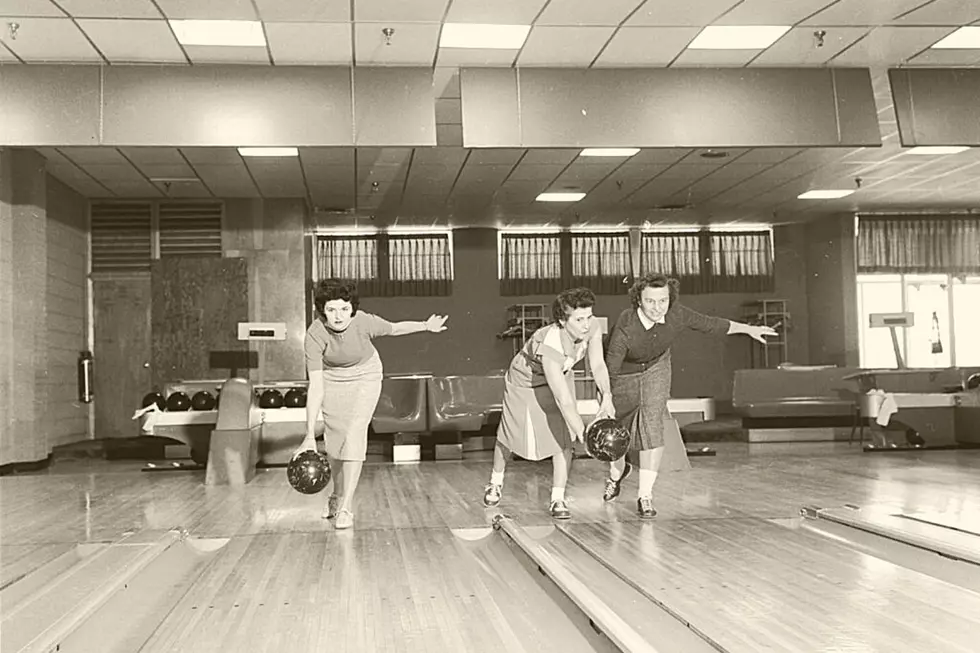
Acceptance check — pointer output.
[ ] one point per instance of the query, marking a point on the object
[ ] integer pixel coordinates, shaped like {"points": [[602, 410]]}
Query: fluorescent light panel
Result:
{"points": [[268, 151], [937, 149], [609, 151], [560, 197], [242, 33], [965, 38], [483, 36], [824, 194], [738, 37]]}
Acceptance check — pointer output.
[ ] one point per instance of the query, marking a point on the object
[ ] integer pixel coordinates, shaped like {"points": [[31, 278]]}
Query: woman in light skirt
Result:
{"points": [[540, 417], [345, 384]]}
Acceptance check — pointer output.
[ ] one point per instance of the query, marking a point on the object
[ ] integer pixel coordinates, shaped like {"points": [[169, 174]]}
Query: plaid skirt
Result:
{"points": [[641, 403]]}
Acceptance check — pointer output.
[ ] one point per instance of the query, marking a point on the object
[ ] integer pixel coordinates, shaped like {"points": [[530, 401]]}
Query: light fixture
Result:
{"points": [[937, 149], [268, 151], [824, 194], [247, 33], [560, 197], [965, 38], [483, 36], [175, 180], [738, 37], [609, 151]]}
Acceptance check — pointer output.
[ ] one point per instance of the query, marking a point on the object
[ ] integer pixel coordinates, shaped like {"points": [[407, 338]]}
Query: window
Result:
{"points": [[712, 261], [547, 263], [945, 311], [388, 265]]}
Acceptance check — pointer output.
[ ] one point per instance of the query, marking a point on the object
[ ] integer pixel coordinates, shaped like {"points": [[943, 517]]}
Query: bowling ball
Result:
{"points": [[308, 472], [154, 398], [203, 400], [270, 399], [606, 440], [973, 382], [296, 398], [178, 401]]}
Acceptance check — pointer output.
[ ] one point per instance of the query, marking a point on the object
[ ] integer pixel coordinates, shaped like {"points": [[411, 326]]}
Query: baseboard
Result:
{"points": [[25, 467], [822, 434]]}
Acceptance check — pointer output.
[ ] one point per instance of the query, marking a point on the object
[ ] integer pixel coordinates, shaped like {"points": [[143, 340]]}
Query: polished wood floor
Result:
{"points": [[270, 575]]}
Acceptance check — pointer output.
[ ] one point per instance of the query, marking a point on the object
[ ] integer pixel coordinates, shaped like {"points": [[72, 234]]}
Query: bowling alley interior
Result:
{"points": [[177, 177]]}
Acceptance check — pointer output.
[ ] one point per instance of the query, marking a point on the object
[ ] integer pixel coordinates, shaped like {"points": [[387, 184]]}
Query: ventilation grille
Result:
{"points": [[190, 229], [121, 237]]}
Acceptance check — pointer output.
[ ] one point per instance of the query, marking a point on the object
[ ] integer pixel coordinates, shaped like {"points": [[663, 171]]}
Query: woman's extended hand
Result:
{"points": [[436, 323], [759, 332]]}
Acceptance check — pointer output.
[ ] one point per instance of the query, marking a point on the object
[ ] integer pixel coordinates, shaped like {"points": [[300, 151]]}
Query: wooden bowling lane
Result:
{"points": [[370, 590], [752, 585]]}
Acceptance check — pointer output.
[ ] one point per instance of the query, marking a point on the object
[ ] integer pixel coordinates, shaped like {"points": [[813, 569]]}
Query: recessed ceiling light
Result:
{"points": [[560, 197], [714, 154], [486, 37], [268, 151], [824, 194], [219, 32], [175, 180], [937, 149], [738, 37], [609, 151], [965, 38]]}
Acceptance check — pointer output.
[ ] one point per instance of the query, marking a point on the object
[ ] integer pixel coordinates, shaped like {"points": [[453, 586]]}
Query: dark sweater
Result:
{"points": [[634, 349]]}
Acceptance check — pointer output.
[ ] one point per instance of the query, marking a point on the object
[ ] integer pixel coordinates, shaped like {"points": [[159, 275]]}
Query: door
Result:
{"points": [[121, 374]]}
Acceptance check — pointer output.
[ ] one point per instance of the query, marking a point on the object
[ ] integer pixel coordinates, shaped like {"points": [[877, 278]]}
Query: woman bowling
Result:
{"points": [[540, 416], [638, 359], [345, 383]]}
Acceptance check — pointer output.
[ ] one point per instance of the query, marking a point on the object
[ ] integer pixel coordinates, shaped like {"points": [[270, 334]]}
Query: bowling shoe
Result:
{"points": [[559, 509], [613, 487], [644, 505]]}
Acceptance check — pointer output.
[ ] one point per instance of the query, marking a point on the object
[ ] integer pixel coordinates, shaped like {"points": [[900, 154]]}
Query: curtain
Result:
{"points": [[602, 262], [921, 244], [675, 255], [419, 266], [530, 264], [741, 262]]}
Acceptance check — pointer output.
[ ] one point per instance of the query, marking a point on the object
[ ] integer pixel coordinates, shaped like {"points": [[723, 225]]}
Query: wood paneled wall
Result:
{"points": [[197, 304]]}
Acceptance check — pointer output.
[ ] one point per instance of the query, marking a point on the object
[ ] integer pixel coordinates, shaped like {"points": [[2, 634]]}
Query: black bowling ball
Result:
{"points": [[154, 398], [296, 398], [308, 472], [203, 400], [973, 382], [271, 399], [178, 401], [606, 440]]}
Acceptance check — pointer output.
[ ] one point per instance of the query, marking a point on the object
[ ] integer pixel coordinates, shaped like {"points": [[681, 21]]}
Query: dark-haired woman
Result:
{"points": [[540, 417], [638, 359], [345, 384]]}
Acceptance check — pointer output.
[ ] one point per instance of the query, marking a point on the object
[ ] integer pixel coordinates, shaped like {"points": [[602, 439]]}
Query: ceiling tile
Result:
{"points": [[887, 45], [445, 82], [771, 12], [51, 40], [400, 11], [30, 8], [195, 9], [110, 9], [213, 156], [475, 57], [304, 11], [6, 56], [546, 155], [133, 41], [79, 181], [587, 12], [277, 177], [646, 46], [798, 47], [201, 54], [327, 156], [946, 58], [227, 180], [499, 12], [309, 43], [942, 12], [668, 13], [412, 44], [862, 12], [153, 155], [720, 58], [536, 171], [182, 189], [563, 46], [94, 155]]}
